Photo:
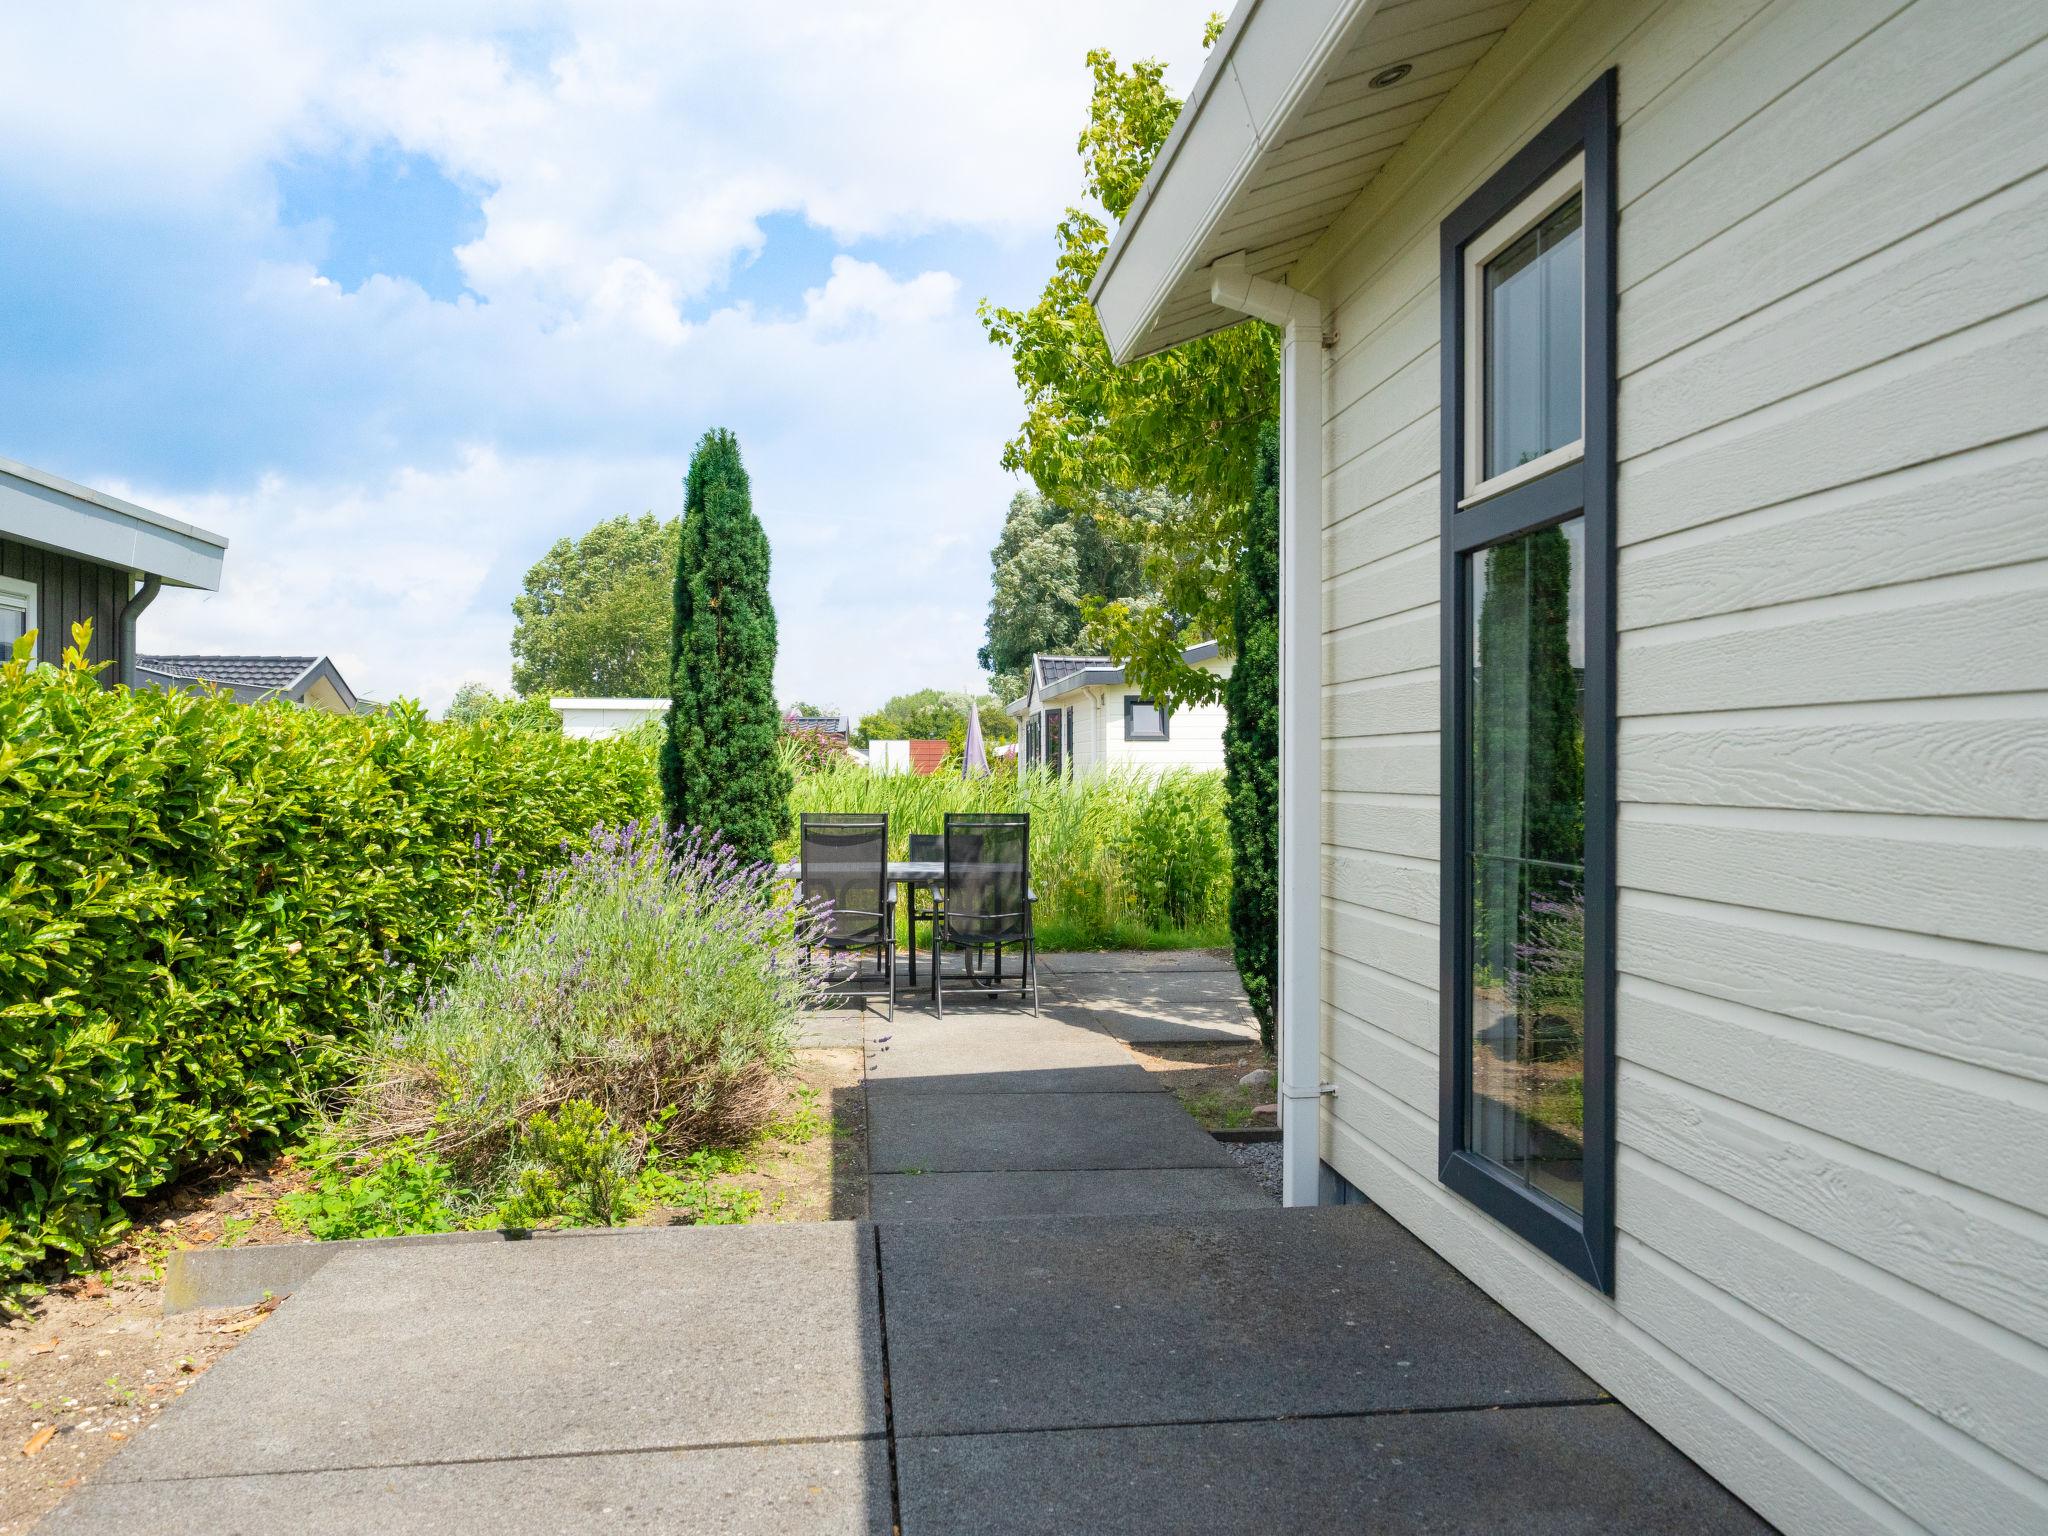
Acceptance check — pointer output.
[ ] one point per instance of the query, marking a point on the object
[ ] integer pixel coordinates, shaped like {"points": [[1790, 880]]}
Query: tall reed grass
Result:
{"points": [[1082, 843]]}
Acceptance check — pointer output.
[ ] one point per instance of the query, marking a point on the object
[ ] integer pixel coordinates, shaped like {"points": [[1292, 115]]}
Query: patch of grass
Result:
{"points": [[1225, 1109]]}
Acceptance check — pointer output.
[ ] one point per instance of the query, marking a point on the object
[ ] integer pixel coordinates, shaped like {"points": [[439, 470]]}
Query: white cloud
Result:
{"points": [[628, 154]]}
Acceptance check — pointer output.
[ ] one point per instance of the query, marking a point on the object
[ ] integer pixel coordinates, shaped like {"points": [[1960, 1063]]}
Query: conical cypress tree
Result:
{"points": [[720, 769], [1251, 746]]}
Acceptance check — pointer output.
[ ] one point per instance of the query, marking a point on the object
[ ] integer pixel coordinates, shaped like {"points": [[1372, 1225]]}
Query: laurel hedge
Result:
{"points": [[199, 900]]}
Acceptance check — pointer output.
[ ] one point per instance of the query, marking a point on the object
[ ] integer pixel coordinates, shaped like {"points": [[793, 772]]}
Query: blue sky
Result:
{"points": [[395, 300]]}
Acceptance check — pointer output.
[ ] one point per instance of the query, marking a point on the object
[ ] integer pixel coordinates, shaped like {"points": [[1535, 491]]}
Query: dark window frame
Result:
{"points": [[1583, 1242], [1131, 702]]}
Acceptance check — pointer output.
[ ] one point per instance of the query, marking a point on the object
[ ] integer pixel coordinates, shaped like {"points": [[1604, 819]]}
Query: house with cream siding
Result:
{"points": [[1079, 716], [1664, 917]]}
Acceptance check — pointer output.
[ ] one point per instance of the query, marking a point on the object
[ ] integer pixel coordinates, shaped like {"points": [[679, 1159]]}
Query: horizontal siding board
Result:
{"points": [[1401, 522], [1397, 1067], [1986, 890], [1970, 146], [1981, 1254], [1927, 52], [1979, 1379], [1407, 458], [1968, 757], [1964, 1124], [1956, 394], [1384, 767], [1398, 584], [1403, 950], [1971, 267], [1975, 636], [1984, 1007], [1403, 887], [1386, 707], [1405, 825], [1751, 65], [1987, 504], [1405, 642], [1932, 1472], [1403, 398]]}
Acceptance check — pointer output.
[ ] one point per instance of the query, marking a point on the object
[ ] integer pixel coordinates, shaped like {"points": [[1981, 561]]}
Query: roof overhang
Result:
{"points": [[1113, 677], [53, 513], [1292, 117]]}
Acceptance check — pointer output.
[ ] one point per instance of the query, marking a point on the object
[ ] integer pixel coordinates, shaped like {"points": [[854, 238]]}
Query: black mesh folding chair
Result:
{"points": [[987, 904], [845, 863], [925, 848]]}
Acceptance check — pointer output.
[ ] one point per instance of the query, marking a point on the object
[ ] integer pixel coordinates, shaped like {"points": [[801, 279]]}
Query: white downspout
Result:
{"points": [[1232, 287]]}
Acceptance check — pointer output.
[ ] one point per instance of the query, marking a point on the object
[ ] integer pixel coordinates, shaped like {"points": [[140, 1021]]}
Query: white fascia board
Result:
{"points": [[1257, 77], [52, 513]]}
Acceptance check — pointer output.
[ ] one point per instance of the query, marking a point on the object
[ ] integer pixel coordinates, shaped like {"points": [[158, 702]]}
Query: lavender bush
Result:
{"points": [[658, 979]]}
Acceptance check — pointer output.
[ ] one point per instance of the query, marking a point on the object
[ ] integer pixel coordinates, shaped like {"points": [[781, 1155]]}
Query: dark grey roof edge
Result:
{"points": [[1107, 676]]}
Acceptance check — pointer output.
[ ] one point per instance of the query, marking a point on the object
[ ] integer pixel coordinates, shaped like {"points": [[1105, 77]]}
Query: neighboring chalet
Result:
{"points": [[68, 553], [604, 717], [1664, 509], [1077, 715], [309, 680]]}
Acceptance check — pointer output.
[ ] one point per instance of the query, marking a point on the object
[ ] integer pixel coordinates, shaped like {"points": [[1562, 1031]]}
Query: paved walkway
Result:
{"points": [[1124, 1339]]}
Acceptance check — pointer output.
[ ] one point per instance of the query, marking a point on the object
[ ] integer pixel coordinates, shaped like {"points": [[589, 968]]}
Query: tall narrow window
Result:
{"points": [[1526, 1098]]}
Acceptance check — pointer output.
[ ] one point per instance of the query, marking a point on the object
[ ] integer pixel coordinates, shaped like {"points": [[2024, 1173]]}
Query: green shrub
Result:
{"points": [[1174, 854], [1086, 899], [581, 1173], [660, 981], [1251, 747], [403, 1192], [200, 902]]}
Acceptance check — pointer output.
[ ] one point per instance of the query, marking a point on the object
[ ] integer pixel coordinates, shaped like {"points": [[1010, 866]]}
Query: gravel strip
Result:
{"points": [[1262, 1160]]}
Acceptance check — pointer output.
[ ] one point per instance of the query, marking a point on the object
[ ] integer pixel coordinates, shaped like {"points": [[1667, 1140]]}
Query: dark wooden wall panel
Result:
{"points": [[67, 590]]}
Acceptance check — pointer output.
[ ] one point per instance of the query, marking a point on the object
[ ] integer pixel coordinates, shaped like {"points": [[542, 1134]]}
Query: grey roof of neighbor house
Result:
{"points": [[1063, 674], [835, 724], [248, 677], [50, 512]]}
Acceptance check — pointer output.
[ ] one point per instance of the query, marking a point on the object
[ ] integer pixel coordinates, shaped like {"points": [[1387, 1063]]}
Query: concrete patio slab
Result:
{"points": [[835, 1026], [1001, 1132], [836, 1488], [632, 1341], [1533, 1471], [1121, 962], [1010, 1056], [1153, 1319], [1158, 1008], [1098, 1192]]}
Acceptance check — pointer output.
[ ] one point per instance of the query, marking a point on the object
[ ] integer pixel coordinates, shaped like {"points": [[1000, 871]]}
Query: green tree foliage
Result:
{"points": [[1251, 747], [721, 768], [931, 713], [474, 703], [1186, 422], [593, 619], [1048, 562], [204, 900]]}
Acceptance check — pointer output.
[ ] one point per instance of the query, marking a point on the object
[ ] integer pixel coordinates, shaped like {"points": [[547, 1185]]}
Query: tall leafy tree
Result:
{"points": [[1251, 747], [1048, 562], [593, 618], [1186, 422], [720, 767]]}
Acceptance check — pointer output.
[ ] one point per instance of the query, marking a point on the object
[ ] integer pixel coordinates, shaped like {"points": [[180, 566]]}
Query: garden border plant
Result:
{"points": [[200, 902]]}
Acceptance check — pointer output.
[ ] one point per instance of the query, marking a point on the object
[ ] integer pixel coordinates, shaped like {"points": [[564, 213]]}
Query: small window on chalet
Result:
{"points": [[17, 612], [1143, 720]]}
